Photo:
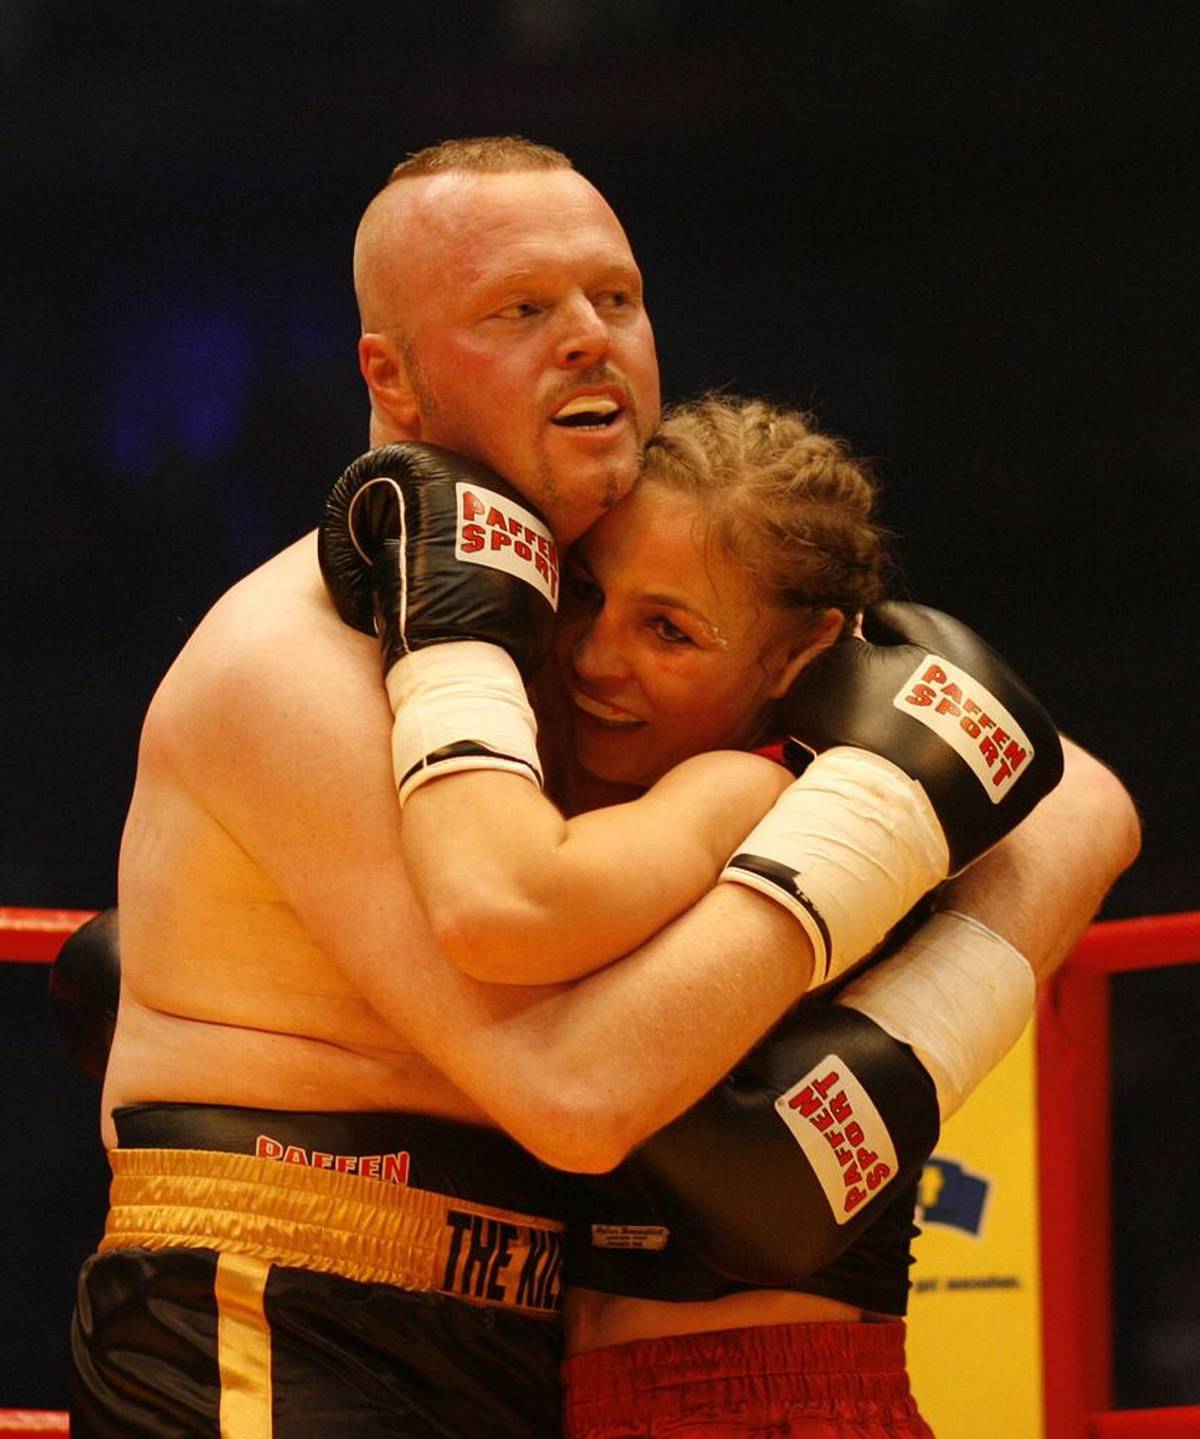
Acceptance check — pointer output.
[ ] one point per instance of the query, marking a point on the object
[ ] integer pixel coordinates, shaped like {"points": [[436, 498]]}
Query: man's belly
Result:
{"points": [[167, 1057]]}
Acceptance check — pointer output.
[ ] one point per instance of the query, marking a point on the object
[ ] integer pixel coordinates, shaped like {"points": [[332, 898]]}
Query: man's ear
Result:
{"points": [[394, 410], [797, 655]]}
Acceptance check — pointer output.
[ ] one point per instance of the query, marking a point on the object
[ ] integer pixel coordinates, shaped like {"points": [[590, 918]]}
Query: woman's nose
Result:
{"points": [[597, 653]]}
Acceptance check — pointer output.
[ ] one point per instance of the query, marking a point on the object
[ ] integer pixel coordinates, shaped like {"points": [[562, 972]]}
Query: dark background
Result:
{"points": [[966, 235]]}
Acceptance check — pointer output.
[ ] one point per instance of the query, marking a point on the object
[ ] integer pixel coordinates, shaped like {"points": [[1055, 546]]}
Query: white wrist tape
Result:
{"points": [[459, 706], [848, 849], [957, 994]]}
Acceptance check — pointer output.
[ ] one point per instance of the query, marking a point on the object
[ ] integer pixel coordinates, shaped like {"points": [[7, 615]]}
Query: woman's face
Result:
{"points": [[664, 647]]}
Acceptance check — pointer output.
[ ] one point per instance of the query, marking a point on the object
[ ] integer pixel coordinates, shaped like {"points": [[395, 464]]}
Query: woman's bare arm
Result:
{"points": [[517, 894]]}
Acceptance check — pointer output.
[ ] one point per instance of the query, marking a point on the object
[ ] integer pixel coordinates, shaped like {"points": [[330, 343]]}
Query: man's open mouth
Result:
{"points": [[587, 412]]}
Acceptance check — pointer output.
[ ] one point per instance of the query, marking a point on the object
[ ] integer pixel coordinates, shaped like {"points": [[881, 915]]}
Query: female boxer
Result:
{"points": [[745, 529]]}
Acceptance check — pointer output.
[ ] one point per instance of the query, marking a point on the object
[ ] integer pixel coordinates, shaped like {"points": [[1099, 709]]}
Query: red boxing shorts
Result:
{"points": [[785, 1381]]}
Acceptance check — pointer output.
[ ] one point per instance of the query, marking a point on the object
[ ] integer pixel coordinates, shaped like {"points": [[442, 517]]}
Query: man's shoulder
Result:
{"points": [[270, 731], [272, 642], [282, 595], [277, 617]]}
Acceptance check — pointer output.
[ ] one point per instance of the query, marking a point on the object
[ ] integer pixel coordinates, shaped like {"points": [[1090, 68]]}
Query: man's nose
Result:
{"points": [[584, 338]]}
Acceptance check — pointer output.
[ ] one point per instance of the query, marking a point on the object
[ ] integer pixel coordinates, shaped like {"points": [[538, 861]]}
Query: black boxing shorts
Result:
{"points": [[294, 1278]]}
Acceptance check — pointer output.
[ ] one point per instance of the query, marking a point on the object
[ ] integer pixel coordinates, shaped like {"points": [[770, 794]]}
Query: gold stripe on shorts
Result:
{"points": [[320, 1220], [243, 1347]]}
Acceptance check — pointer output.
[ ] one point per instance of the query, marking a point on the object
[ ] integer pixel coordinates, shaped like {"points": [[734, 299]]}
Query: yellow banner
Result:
{"points": [[974, 1333]]}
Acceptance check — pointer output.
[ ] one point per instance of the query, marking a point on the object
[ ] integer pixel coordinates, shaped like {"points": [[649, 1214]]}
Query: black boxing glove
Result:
{"points": [[85, 985], [929, 694], [458, 576], [929, 750], [787, 1161]]}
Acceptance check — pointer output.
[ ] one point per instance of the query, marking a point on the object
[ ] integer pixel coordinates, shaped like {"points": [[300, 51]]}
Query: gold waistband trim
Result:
{"points": [[334, 1223]]}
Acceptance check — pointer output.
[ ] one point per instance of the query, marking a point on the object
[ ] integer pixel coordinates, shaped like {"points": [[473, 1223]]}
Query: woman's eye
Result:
{"points": [[668, 632], [582, 589]]}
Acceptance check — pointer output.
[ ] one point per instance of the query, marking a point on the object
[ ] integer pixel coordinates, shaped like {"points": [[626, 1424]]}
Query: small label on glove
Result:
{"points": [[842, 1134], [971, 720], [629, 1236], [495, 531]]}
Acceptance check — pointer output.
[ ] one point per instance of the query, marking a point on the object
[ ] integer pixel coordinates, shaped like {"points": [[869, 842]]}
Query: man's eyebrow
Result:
{"points": [[510, 277], [488, 288], [628, 274]]}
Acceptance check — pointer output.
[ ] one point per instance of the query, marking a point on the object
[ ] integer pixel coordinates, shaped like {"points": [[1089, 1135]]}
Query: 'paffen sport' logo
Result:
{"points": [[842, 1134], [391, 1168], [496, 531], [971, 720]]}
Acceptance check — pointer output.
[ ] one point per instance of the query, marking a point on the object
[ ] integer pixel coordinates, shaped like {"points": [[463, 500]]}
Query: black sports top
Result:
{"points": [[617, 1243]]}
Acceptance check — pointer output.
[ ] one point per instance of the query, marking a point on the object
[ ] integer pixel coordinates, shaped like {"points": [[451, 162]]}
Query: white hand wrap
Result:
{"points": [[957, 994], [459, 706], [848, 849]]}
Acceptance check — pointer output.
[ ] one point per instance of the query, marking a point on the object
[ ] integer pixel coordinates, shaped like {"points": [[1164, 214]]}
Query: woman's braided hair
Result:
{"points": [[792, 507]]}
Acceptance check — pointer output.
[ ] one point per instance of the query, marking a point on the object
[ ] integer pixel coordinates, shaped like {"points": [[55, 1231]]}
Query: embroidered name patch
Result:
{"points": [[843, 1136], [630, 1236]]}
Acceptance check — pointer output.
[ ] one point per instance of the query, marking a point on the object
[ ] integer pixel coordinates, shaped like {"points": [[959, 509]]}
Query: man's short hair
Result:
{"points": [[488, 153]]}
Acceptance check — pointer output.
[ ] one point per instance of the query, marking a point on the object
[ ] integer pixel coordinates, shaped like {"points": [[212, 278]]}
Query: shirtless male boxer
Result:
{"points": [[276, 960]]}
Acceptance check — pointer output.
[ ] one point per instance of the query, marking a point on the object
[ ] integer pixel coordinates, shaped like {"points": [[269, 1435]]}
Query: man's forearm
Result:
{"points": [[1041, 887]]}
